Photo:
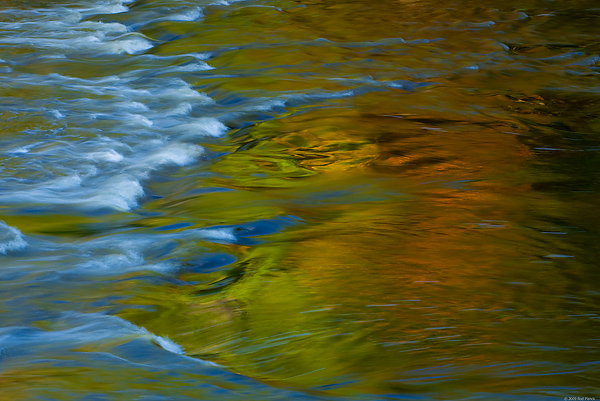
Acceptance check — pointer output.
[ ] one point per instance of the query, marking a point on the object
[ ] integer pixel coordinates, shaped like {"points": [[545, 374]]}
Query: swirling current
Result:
{"points": [[299, 200]]}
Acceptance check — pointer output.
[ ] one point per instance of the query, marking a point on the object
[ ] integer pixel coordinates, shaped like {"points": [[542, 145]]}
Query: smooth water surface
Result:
{"points": [[299, 200]]}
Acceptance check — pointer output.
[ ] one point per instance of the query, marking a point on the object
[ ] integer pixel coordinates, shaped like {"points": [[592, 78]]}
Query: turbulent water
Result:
{"points": [[299, 200]]}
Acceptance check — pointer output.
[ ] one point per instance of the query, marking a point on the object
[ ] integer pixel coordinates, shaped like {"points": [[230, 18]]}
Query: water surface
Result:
{"points": [[311, 200]]}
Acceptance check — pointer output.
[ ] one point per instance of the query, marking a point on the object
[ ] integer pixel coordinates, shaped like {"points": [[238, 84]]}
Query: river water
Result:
{"points": [[299, 200]]}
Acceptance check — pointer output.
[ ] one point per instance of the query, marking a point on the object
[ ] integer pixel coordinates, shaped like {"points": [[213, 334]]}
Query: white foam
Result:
{"points": [[197, 56], [88, 170], [120, 264], [180, 110], [57, 44], [115, 263], [201, 56], [126, 255], [168, 345], [268, 104], [99, 175], [132, 106], [119, 192], [124, 190], [56, 78], [189, 15], [57, 114], [110, 155], [124, 91], [86, 328], [219, 234], [191, 67], [123, 253], [180, 90], [130, 44], [20, 150], [178, 153], [204, 126], [11, 239], [96, 37], [64, 183], [105, 27], [69, 16], [225, 2], [106, 7], [139, 119]]}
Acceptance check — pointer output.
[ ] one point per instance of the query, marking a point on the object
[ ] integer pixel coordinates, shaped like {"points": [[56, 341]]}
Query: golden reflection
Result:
{"points": [[419, 247], [424, 257], [427, 265]]}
